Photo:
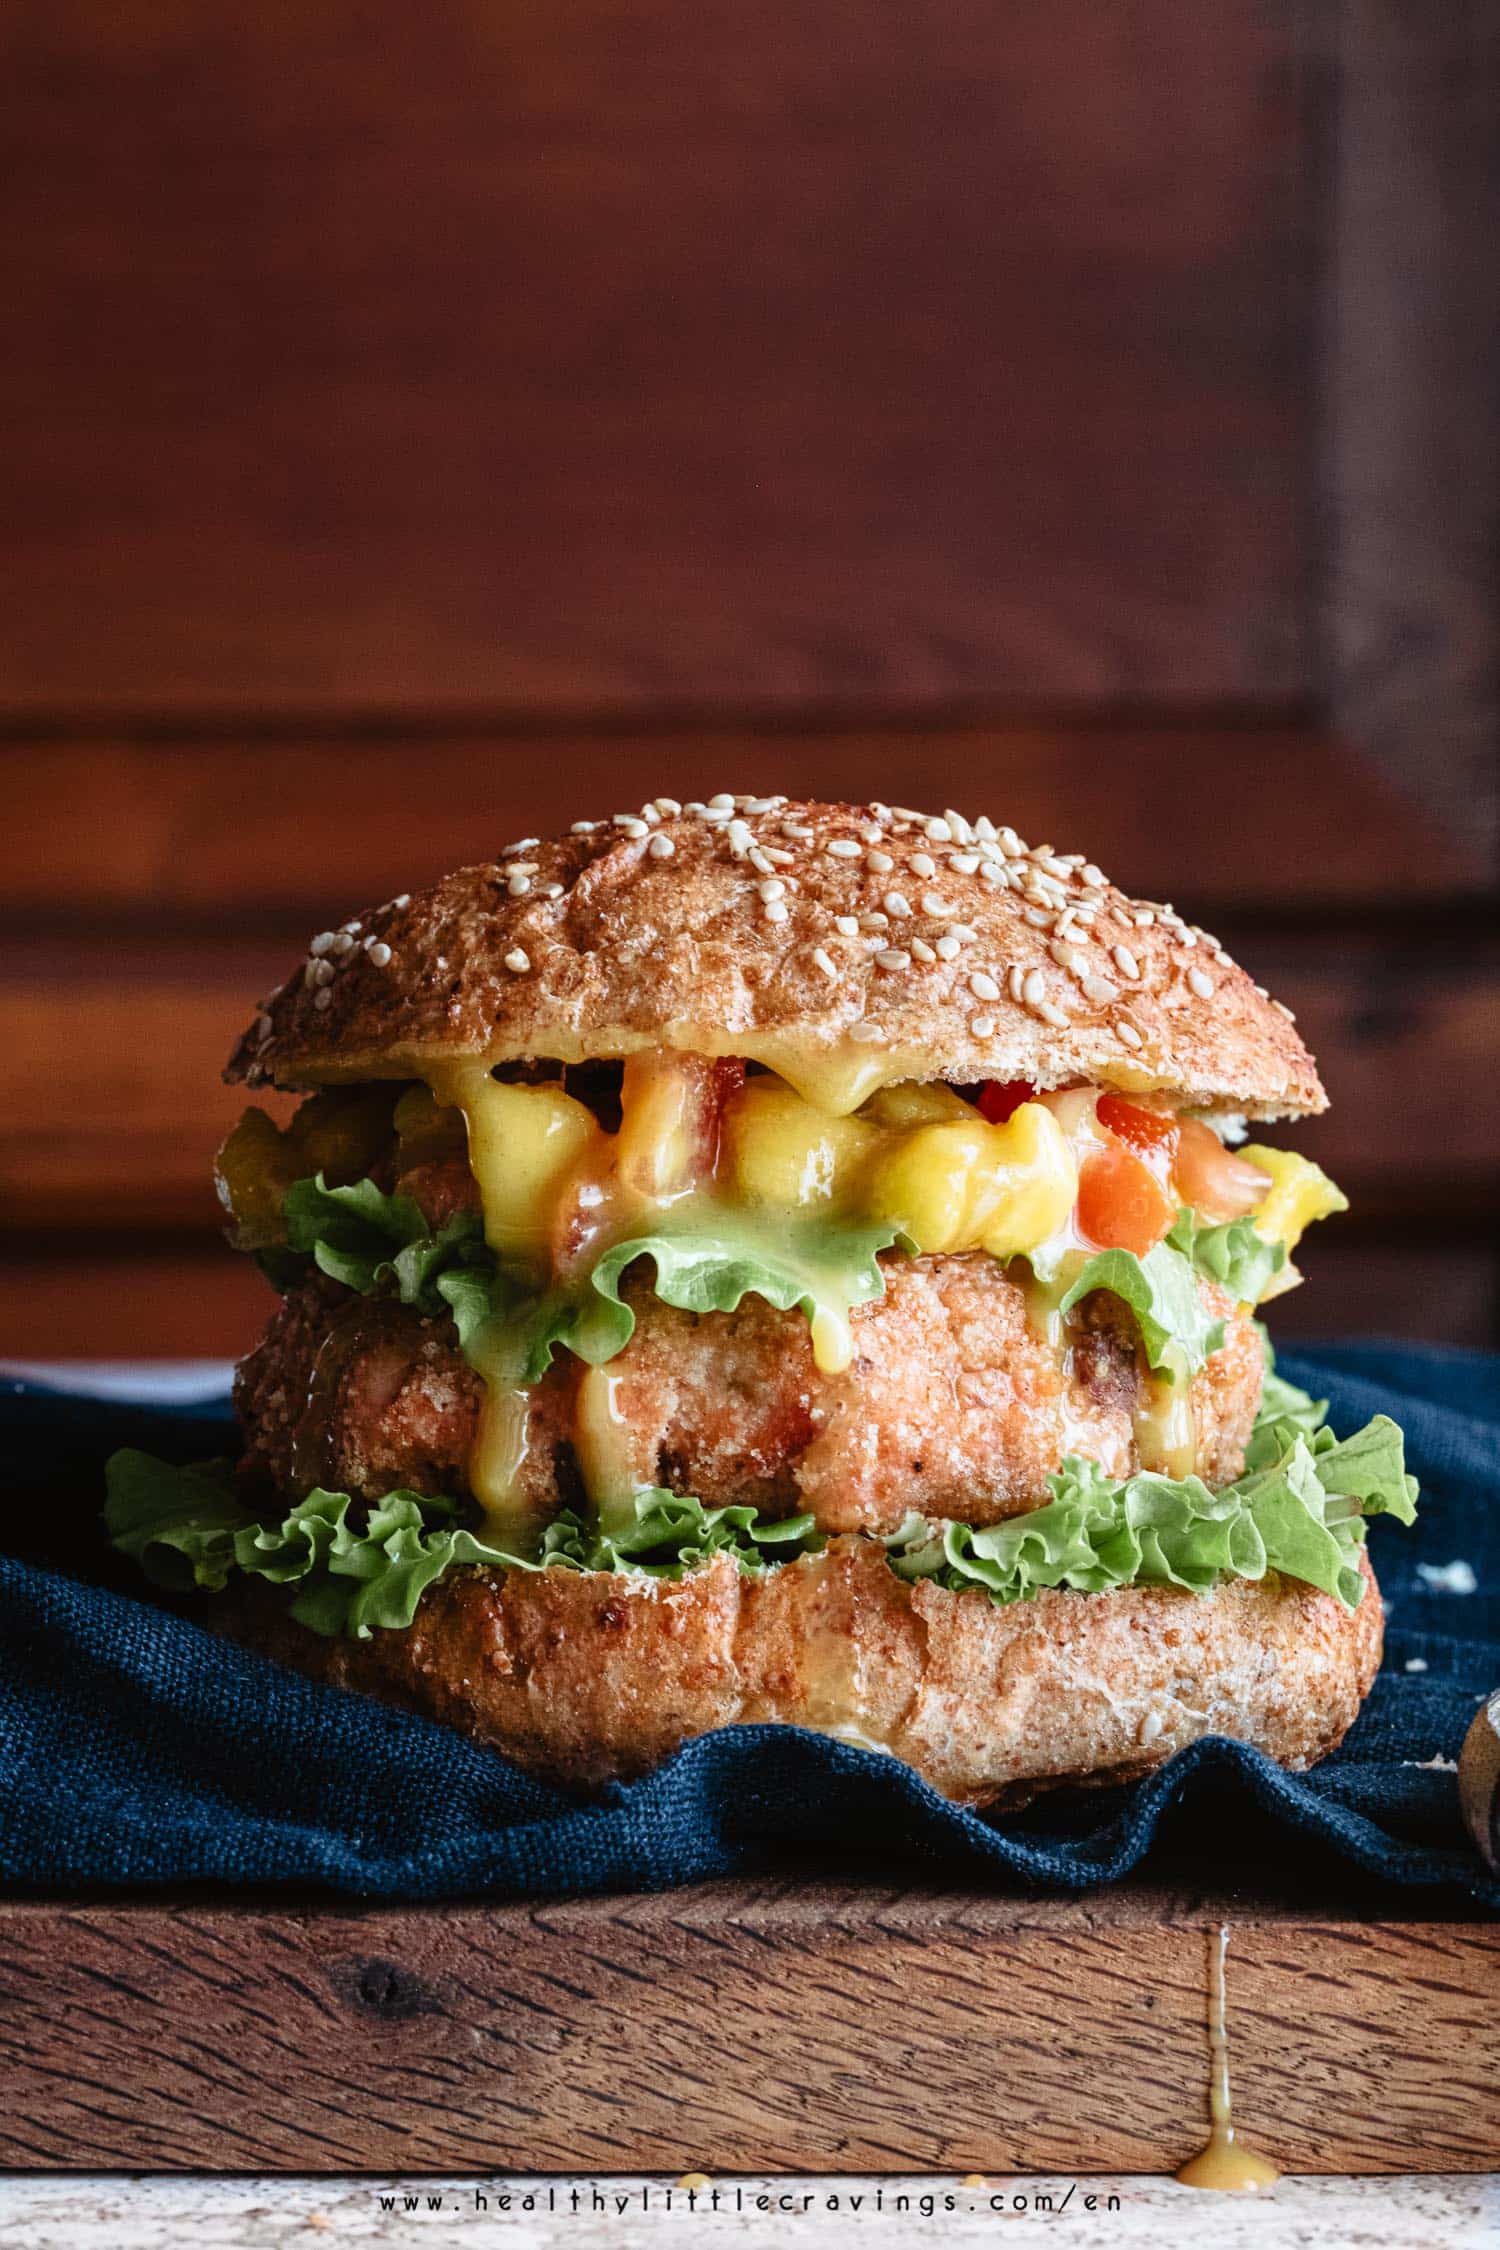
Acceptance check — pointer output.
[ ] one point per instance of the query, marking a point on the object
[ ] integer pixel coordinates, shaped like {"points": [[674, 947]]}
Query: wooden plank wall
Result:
{"points": [[423, 428]]}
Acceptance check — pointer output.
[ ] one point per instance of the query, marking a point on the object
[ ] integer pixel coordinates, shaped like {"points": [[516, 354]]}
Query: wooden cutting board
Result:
{"points": [[752, 2025]]}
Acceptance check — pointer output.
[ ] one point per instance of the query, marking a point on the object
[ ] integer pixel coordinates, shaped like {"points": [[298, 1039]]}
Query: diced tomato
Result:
{"points": [[998, 1102], [1121, 1203], [1152, 1135], [1218, 1184]]}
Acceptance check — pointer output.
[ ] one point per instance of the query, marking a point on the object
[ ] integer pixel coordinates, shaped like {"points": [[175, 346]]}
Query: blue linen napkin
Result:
{"points": [[136, 1747]]}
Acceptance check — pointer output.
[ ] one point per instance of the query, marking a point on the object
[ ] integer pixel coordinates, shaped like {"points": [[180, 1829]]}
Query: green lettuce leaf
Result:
{"points": [[820, 1269], [1162, 1291], [357, 1568], [1234, 1255], [368, 1240], [1299, 1509]]}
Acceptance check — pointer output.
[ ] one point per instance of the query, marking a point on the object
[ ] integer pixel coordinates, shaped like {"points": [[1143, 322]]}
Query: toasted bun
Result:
{"points": [[584, 1679], [841, 945]]}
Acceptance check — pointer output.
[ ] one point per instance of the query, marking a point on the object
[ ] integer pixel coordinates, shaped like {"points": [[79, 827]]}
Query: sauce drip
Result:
{"points": [[1224, 2162]]}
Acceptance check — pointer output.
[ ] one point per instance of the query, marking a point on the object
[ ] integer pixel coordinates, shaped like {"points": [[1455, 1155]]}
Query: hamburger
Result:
{"points": [[771, 1262]]}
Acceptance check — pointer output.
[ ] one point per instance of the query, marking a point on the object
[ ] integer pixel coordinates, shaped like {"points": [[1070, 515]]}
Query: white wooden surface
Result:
{"points": [[1434, 2212]]}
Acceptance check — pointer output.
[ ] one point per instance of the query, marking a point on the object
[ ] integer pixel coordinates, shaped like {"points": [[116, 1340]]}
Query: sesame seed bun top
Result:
{"points": [[842, 945]]}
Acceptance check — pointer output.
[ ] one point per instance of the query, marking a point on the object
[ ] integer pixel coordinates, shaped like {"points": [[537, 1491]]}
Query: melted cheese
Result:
{"points": [[1166, 1429]]}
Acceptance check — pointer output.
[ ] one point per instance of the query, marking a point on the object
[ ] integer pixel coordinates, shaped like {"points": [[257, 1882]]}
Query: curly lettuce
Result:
{"points": [[1299, 1509], [356, 1568], [371, 1241]]}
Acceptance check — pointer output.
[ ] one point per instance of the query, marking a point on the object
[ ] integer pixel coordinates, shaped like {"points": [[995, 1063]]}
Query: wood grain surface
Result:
{"points": [[605, 355], [740, 2026]]}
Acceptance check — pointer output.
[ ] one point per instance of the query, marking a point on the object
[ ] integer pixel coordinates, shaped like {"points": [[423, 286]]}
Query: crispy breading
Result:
{"points": [[954, 1404]]}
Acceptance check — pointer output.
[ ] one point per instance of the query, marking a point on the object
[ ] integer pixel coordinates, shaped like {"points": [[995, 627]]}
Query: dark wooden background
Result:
{"points": [[422, 426]]}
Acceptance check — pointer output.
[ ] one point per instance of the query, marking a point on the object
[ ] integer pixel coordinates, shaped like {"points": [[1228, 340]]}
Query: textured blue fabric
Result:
{"points": [[138, 1748]]}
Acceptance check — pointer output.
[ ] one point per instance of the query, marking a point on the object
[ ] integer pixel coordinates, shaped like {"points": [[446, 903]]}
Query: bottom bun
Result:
{"points": [[587, 1678]]}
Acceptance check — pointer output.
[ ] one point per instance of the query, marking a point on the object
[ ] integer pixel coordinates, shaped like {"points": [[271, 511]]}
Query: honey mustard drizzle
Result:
{"points": [[1224, 2162]]}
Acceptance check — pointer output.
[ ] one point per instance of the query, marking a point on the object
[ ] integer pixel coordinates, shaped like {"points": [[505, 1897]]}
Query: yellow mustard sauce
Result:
{"points": [[1224, 2162]]}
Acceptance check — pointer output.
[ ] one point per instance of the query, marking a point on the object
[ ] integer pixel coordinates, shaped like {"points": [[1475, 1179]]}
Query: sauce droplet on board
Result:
{"points": [[1224, 2163]]}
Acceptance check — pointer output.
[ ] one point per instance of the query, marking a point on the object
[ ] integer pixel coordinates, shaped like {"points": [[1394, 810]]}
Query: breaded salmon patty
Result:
{"points": [[953, 1404]]}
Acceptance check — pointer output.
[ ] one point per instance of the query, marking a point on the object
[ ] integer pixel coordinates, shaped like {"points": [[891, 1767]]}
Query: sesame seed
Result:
{"points": [[958, 827], [947, 946], [1050, 1012], [938, 832], [660, 847], [881, 862], [758, 860], [983, 986], [984, 829], [741, 838], [1032, 987], [322, 943], [552, 890], [795, 828], [1100, 989], [1225, 960], [1039, 917], [847, 925], [668, 806], [514, 851], [894, 957], [1013, 981], [937, 906], [874, 921], [897, 905], [844, 847], [982, 1027], [380, 954], [1261, 992], [991, 871], [772, 887], [864, 1032], [923, 863], [1143, 917], [343, 944], [322, 972], [263, 1028], [1129, 1034], [402, 901], [966, 863], [1201, 984], [583, 828], [650, 815], [921, 950], [775, 910], [873, 835], [825, 962], [1284, 1009], [1067, 957], [1125, 961], [1186, 940], [1094, 876], [904, 812], [779, 858], [518, 885], [322, 1000], [630, 825], [1011, 844], [965, 932], [517, 961], [723, 802]]}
